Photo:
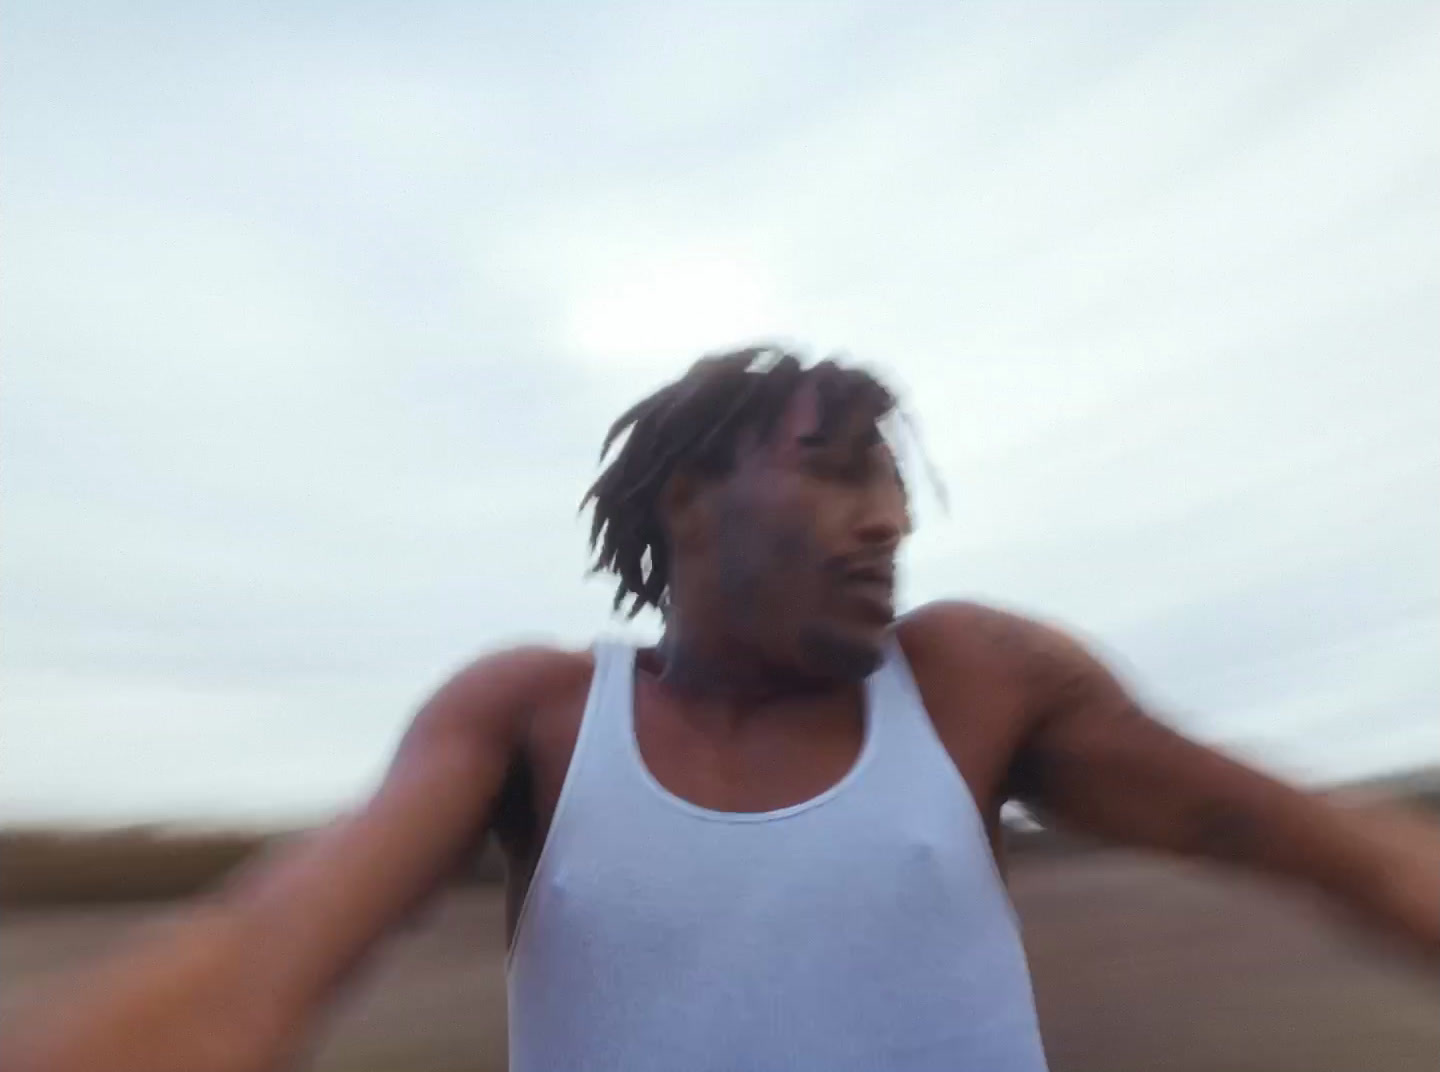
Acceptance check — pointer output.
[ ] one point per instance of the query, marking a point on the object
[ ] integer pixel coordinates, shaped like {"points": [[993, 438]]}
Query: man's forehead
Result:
{"points": [[802, 414], [805, 418], [804, 426]]}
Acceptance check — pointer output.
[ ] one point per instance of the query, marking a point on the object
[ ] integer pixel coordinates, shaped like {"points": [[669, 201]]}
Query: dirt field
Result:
{"points": [[1137, 966]]}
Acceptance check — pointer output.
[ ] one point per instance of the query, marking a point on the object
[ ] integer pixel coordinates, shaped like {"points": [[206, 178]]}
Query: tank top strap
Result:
{"points": [[902, 722], [892, 689], [608, 709]]}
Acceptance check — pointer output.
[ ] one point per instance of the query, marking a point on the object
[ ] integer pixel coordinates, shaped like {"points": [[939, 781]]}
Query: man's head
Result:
{"points": [[757, 501]]}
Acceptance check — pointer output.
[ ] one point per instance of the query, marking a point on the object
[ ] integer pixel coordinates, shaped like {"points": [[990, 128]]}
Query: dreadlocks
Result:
{"points": [[693, 425]]}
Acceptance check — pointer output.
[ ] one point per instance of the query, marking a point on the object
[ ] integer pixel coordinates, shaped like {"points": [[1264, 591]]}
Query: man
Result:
{"points": [[770, 842]]}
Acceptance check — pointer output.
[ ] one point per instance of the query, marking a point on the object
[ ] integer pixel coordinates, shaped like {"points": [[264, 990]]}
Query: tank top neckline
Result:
{"points": [[625, 671]]}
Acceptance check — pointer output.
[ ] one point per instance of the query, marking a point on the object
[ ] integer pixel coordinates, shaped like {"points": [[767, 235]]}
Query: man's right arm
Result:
{"points": [[234, 984]]}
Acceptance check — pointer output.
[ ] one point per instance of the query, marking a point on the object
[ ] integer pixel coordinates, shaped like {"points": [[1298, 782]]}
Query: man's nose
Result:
{"points": [[883, 522]]}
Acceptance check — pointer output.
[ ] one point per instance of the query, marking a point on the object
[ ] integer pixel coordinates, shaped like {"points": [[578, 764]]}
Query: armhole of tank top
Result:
{"points": [[911, 689], [605, 661]]}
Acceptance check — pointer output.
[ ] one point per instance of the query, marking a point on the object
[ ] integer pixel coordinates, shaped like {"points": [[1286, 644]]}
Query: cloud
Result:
{"points": [[314, 324]]}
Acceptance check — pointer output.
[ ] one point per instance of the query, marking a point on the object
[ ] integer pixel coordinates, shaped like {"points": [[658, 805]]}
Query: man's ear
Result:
{"points": [[682, 509]]}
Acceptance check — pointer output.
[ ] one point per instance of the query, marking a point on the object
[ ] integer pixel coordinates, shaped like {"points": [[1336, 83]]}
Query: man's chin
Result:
{"points": [[845, 653]]}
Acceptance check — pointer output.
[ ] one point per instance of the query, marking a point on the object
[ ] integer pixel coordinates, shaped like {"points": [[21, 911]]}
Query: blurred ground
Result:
{"points": [[1138, 966]]}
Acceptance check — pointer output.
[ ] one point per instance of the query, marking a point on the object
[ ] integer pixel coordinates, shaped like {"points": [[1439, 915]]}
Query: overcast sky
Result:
{"points": [[313, 321]]}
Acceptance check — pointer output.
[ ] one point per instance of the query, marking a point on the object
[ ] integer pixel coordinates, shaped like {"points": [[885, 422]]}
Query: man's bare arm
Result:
{"points": [[1093, 760], [234, 984]]}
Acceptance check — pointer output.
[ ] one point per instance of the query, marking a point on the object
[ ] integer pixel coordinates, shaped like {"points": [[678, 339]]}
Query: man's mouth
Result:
{"points": [[871, 583], [872, 573]]}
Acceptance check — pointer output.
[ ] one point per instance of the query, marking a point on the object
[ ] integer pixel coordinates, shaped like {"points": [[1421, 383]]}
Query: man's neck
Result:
{"points": [[720, 670]]}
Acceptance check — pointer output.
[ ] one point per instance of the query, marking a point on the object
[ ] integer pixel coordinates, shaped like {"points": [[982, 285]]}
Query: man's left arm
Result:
{"points": [[1093, 760]]}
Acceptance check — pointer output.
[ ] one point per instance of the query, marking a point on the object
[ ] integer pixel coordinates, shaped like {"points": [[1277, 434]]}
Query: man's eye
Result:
{"points": [[833, 468]]}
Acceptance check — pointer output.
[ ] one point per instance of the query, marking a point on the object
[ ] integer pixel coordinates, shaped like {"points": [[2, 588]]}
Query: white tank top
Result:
{"points": [[866, 928]]}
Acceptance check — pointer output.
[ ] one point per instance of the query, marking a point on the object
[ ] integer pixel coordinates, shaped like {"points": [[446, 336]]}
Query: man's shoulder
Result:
{"points": [[534, 673], [539, 666], [949, 629], [958, 646], [950, 643], [503, 688]]}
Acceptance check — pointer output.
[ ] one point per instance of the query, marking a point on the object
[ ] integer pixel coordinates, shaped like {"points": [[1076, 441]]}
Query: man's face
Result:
{"points": [[805, 534]]}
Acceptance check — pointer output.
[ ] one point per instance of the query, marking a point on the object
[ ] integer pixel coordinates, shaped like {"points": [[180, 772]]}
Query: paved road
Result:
{"points": [[1139, 968]]}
